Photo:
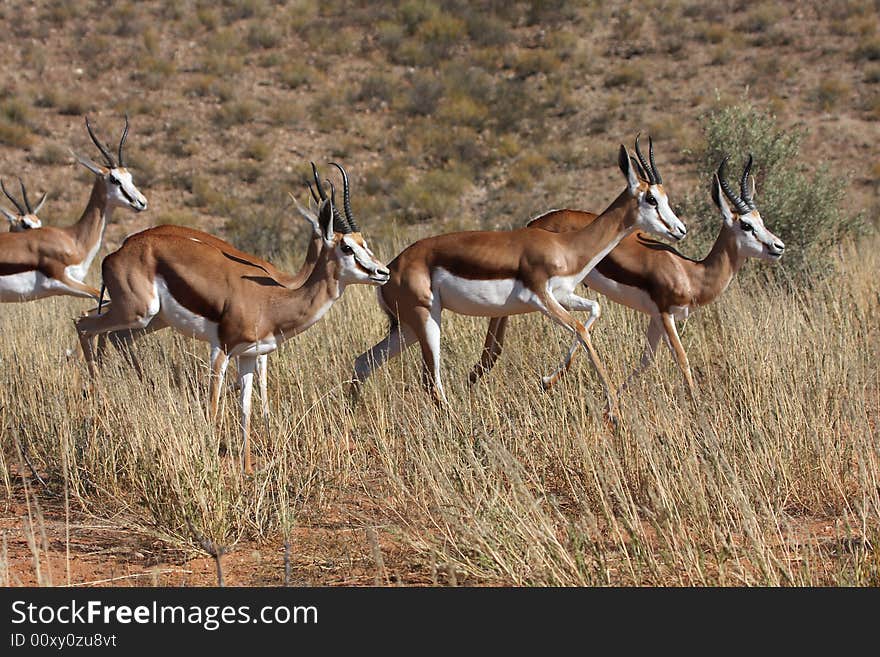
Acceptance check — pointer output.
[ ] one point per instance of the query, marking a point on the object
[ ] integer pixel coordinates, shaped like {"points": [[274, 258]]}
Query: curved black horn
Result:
{"points": [[657, 179], [122, 141], [40, 202], [27, 202], [346, 199], [18, 207], [738, 203], [337, 217], [100, 146], [321, 191], [340, 225], [643, 162], [745, 192]]}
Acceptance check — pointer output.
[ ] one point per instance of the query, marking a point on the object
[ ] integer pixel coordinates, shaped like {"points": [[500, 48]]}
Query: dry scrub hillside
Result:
{"points": [[448, 114], [452, 115]]}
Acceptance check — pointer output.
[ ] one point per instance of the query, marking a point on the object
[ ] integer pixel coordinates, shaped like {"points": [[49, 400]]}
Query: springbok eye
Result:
{"points": [[746, 226], [346, 249], [115, 180], [650, 200]]}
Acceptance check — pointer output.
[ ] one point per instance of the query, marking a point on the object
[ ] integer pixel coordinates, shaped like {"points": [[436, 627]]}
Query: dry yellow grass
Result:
{"points": [[512, 485]]}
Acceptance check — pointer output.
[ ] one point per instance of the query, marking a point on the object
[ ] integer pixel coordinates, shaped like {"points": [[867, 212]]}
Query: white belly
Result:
{"points": [[181, 318], [626, 295], [481, 298], [30, 285]]}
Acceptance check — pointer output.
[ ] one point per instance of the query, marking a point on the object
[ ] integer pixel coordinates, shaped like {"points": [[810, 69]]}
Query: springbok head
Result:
{"points": [[342, 236], [27, 218], [645, 185], [740, 215], [121, 191]]}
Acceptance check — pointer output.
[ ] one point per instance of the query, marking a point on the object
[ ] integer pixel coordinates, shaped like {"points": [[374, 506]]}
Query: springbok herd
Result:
{"points": [[202, 286]]}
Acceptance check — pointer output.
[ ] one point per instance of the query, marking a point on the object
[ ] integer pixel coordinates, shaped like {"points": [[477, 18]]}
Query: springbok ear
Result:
{"points": [[325, 219], [95, 168], [309, 215], [752, 189], [720, 201], [11, 218], [626, 167]]}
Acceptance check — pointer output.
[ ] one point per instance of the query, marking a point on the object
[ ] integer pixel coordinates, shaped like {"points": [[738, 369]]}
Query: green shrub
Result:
{"points": [[375, 89], [15, 134], [872, 74], [435, 195], [439, 35], [487, 30], [527, 170], [424, 93], [802, 206], [235, 112], [263, 35], [625, 75], [295, 74], [463, 110], [868, 48], [829, 93], [74, 104], [51, 154], [258, 150]]}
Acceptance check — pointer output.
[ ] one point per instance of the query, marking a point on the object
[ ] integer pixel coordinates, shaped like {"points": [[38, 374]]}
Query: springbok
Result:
{"points": [[123, 340], [499, 273], [657, 280], [51, 261], [202, 292], [27, 218]]}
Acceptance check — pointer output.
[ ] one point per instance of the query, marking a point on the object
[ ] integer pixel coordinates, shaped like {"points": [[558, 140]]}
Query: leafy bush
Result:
{"points": [[435, 195], [375, 89], [803, 207]]}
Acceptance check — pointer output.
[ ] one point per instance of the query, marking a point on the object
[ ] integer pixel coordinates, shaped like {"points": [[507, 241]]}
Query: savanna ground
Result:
{"points": [[455, 115]]}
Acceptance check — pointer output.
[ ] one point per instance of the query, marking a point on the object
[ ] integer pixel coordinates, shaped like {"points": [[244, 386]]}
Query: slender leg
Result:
{"points": [[428, 333], [491, 349], [679, 352], [553, 309], [399, 338], [118, 318], [219, 363], [573, 302], [653, 333], [79, 289], [123, 341], [246, 367], [263, 375]]}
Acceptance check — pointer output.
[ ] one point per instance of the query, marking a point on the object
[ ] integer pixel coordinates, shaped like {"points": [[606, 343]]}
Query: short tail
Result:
{"points": [[101, 298]]}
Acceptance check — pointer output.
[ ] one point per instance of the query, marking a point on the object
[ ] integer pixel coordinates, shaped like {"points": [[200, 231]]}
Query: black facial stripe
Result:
{"points": [[126, 194]]}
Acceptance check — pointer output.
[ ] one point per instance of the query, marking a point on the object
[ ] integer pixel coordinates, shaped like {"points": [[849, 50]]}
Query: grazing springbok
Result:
{"points": [[123, 340], [27, 218], [239, 309], [499, 273], [54, 261], [657, 280]]}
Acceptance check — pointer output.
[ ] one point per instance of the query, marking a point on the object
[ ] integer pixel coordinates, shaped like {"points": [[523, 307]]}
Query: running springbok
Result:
{"points": [[657, 280], [51, 261], [239, 309], [27, 218], [499, 273], [123, 340]]}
